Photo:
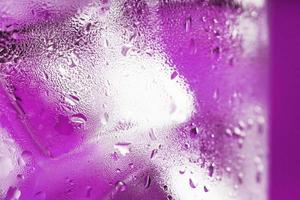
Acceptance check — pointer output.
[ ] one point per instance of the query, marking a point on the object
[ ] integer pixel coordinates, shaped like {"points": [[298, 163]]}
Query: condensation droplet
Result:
{"points": [[88, 191], [205, 189], [188, 24], [13, 193], [79, 118], [120, 186], [192, 183], [147, 181], [211, 169], [182, 170], [153, 153], [6, 166], [152, 135], [216, 94], [174, 75], [40, 196], [125, 50], [131, 165], [194, 131]]}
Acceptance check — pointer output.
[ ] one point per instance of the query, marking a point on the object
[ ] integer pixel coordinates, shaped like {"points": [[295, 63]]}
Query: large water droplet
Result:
{"points": [[6, 166], [123, 147], [13, 193]]}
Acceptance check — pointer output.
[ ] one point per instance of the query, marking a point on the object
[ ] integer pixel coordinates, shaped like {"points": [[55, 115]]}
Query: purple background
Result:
{"points": [[285, 97]]}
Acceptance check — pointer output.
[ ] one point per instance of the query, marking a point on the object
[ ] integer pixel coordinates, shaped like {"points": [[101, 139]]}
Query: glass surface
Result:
{"points": [[133, 99]]}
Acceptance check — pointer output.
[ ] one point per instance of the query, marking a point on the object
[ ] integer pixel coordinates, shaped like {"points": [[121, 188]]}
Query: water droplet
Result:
{"points": [[187, 146], [216, 94], [238, 132], [123, 147], [88, 27], [69, 101], [6, 166], [205, 189], [26, 155], [40, 196], [228, 169], [88, 191], [120, 186], [20, 176], [182, 170], [211, 169], [131, 165], [125, 50], [153, 153], [147, 181], [174, 75], [240, 177], [188, 24], [79, 118], [152, 135], [105, 118], [13, 193], [114, 156], [192, 183], [216, 51], [228, 131], [118, 170], [165, 188], [194, 131], [258, 177]]}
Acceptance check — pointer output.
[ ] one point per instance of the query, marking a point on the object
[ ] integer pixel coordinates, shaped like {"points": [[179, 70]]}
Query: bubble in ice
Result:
{"points": [[124, 148]]}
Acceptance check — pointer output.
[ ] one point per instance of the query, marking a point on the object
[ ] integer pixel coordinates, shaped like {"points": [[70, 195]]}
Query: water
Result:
{"points": [[118, 99]]}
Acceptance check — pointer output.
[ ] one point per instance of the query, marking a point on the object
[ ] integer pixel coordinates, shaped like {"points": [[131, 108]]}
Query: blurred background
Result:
{"points": [[285, 99]]}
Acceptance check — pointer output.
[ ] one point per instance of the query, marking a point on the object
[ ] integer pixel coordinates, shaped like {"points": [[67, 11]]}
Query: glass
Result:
{"points": [[129, 99]]}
